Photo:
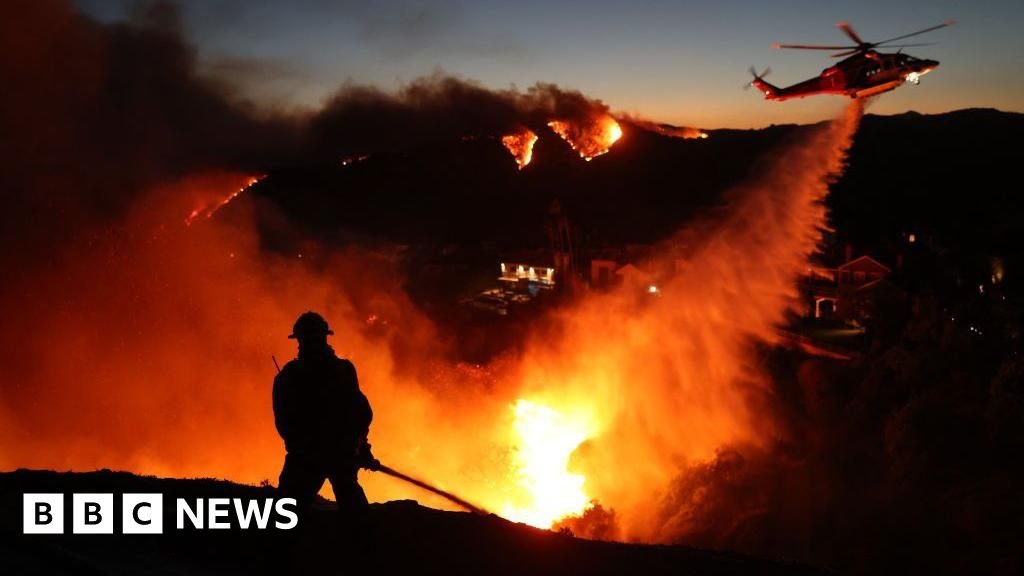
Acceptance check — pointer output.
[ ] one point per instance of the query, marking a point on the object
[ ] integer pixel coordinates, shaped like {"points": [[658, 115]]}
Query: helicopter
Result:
{"points": [[865, 72]]}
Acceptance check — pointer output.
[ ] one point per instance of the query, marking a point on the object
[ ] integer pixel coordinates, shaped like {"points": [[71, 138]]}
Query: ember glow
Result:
{"points": [[668, 383], [670, 130], [590, 139], [520, 145], [209, 208], [614, 400], [350, 160]]}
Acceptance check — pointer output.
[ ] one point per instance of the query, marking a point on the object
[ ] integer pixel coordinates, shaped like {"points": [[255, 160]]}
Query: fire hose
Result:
{"points": [[434, 490]]}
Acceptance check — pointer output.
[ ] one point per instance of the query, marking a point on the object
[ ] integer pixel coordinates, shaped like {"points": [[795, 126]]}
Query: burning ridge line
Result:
{"points": [[208, 211]]}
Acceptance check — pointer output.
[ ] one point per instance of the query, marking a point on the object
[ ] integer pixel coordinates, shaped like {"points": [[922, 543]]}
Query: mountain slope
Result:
{"points": [[408, 539]]}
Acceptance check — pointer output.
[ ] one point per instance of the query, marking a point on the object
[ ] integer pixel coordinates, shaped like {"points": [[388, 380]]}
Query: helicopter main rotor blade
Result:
{"points": [[810, 47], [943, 25], [908, 45], [861, 45], [848, 30]]}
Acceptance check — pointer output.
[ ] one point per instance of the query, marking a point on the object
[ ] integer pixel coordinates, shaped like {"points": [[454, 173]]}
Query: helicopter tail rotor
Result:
{"points": [[757, 77], [770, 92]]}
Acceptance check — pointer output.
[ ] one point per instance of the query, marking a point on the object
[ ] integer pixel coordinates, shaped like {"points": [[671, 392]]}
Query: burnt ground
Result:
{"points": [[409, 539]]}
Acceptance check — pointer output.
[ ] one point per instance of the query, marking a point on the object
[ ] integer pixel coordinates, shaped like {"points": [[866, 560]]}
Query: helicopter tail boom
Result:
{"points": [[769, 90]]}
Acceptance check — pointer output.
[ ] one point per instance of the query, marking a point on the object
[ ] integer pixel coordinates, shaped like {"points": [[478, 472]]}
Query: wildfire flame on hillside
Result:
{"points": [[520, 145], [350, 160], [670, 130], [590, 139], [683, 132], [207, 209], [677, 381], [545, 440], [615, 400]]}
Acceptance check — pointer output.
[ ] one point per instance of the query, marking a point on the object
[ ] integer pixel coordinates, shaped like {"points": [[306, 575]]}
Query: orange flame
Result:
{"points": [[676, 382], [545, 440], [613, 402], [208, 209], [348, 161], [521, 146], [590, 140], [672, 131]]}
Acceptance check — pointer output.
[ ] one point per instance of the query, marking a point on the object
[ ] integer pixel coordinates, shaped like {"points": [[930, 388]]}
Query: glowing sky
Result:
{"points": [[676, 61]]}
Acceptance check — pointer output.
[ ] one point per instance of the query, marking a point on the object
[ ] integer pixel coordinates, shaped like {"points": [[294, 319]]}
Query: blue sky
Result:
{"points": [[681, 62]]}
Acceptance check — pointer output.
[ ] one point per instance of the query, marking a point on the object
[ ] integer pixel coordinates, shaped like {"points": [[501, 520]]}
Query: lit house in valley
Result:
{"points": [[840, 292], [530, 271]]}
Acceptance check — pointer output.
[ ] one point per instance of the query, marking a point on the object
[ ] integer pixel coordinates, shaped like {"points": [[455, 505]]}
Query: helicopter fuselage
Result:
{"points": [[859, 76]]}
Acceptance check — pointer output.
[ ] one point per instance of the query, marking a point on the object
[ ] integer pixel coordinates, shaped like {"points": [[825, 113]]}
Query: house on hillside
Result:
{"points": [[632, 275], [530, 271], [842, 293]]}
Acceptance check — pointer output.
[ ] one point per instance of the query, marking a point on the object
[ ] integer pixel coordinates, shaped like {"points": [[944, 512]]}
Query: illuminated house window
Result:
{"points": [[514, 272]]}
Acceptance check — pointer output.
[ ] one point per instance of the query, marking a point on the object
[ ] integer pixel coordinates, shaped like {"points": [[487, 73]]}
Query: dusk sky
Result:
{"points": [[674, 61]]}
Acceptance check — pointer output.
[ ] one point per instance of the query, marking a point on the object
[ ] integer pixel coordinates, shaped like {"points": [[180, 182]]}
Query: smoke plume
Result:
{"points": [[143, 344], [361, 119], [674, 381], [94, 114]]}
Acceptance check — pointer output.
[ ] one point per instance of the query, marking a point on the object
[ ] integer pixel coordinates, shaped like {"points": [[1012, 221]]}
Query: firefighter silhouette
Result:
{"points": [[324, 420]]}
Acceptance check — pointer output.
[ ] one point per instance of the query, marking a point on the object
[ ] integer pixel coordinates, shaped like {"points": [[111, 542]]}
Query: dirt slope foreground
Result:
{"points": [[407, 538]]}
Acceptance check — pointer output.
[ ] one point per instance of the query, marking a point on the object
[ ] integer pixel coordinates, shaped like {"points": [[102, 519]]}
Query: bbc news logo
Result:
{"points": [[144, 513]]}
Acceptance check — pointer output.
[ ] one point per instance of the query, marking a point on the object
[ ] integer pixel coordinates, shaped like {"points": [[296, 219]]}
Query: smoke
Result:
{"points": [[94, 118], [361, 119], [670, 130], [143, 344], [94, 114], [674, 380], [147, 345]]}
